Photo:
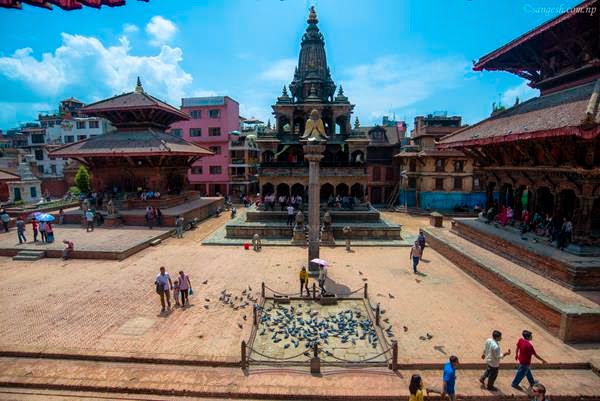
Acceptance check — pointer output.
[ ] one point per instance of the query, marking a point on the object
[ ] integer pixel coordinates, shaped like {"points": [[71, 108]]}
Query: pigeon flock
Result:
{"points": [[301, 327]]}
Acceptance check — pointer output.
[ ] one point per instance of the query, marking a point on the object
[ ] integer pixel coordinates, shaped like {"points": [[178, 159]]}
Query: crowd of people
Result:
{"points": [[268, 201], [554, 228]]}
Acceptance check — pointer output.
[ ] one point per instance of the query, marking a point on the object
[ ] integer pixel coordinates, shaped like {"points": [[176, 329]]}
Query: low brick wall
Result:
{"points": [[567, 327], [574, 277]]}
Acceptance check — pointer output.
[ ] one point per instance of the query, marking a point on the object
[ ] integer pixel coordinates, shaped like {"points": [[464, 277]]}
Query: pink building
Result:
{"points": [[211, 121]]}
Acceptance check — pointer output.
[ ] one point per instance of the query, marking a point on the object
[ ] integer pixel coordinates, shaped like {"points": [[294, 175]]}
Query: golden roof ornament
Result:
{"points": [[312, 16], [138, 86]]}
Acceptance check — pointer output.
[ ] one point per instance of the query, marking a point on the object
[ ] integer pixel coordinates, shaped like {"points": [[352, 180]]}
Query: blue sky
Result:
{"points": [[398, 56]]}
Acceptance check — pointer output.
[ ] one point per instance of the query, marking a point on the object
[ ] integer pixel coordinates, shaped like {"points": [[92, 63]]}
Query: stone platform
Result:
{"points": [[567, 314], [200, 208], [365, 224], [112, 244], [534, 253]]}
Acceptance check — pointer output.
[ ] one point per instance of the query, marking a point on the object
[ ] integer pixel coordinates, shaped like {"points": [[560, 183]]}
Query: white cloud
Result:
{"points": [[130, 28], [281, 70], [392, 83], [161, 30], [203, 93], [22, 111], [254, 111], [87, 68], [522, 91]]}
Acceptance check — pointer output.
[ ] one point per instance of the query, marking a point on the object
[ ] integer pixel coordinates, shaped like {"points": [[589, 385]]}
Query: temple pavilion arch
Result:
{"points": [[567, 203], [357, 191], [326, 192], [283, 189], [298, 189], [342, 190], [267, 189]]}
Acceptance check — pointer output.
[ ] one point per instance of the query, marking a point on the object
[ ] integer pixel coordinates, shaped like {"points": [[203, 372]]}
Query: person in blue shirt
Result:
{"points": [[449, 378]]}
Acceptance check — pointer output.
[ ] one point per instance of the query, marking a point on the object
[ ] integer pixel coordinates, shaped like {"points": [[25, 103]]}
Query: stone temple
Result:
{"points": [[310, 110]]}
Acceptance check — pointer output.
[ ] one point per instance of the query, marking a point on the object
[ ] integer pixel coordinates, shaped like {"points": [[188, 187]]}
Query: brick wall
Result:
{"points": [[569, 328], [577, 278]]}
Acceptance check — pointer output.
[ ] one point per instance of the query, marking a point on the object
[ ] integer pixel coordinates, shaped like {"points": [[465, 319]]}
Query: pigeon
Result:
{"points": [[205, 306], [429, 336], [417, 280], [207, 300], [359, 272], [206, 282], [391, 296], [422, 338], [249, 288], [244, 317], [387, 320], [405, 328], [365, 279], [241, 326]]}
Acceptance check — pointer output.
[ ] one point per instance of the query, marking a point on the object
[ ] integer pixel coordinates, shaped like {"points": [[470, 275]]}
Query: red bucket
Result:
{"points": [[246, 246]]}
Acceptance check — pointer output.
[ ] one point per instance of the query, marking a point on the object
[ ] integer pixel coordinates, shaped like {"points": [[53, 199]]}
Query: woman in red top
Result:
{"points": [[34, 227], [524, 353]]}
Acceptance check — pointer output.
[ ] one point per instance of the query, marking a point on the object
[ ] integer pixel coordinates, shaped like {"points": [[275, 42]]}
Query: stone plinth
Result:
{"points": [[436, 219], [112, 221]]}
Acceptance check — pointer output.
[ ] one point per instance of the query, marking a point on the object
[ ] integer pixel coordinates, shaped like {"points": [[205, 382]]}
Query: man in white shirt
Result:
{"points": [[492, 355], [322, 278], [164, 287], [290, 215]]}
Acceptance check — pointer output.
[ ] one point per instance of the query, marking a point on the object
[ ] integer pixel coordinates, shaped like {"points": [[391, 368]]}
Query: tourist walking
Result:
{"points": [[158, 215], [565, 234], [42, 228], [89, 218], [49, 233], [322, 278], [185, 286], [415, 255], [492, 354], [5, 219], [282, 202], [523, 354], [149, 216], [179, 226], [61, 216], [421, 241], [290, 215], [304, 281], [163, 287], [449, 378], [68, 249], [34, 227], [539, 392], [21, 230]]}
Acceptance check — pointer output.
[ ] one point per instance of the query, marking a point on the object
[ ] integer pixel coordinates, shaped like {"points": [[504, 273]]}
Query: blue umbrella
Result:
{"points": [[45, 217]]}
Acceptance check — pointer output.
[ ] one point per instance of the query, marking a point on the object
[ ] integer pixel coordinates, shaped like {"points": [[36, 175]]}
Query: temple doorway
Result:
{"points": [[298, 189], [357, 191], [568, 203], [267, 189], [342, 190], [283, 189], [544, 201]]}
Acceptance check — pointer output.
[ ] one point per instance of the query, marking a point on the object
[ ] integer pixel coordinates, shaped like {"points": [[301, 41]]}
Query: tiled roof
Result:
{"points": [[122, 143], [6, 175], [554, 114], [132, 101]]}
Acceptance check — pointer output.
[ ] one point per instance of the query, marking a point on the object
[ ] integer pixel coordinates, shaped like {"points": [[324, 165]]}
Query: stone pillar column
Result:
{"points": [[583, 226], [313, 153]]}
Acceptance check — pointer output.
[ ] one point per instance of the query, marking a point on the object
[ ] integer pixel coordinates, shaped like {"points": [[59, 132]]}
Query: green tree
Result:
{"points": [[82, 179]]}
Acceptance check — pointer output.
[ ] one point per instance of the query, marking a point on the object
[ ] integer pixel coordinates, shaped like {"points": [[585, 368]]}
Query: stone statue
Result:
{"points": [[256, 243], [315, 129], [111, 209], [327, 219], [299, 221]]}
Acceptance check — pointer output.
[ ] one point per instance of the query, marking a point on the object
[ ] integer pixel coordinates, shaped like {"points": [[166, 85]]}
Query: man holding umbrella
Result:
{"points": [[45, 227], [322, 273]]}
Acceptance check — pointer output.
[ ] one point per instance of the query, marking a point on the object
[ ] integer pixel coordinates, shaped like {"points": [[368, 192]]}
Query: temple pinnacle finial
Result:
{"points": [[138, 86], [284, 91], [341, 91], [312, 16]]}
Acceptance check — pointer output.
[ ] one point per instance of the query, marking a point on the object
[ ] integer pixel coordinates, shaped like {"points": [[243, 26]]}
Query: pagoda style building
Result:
{"points": [[139, 154], [283, 166], [544, 154]]}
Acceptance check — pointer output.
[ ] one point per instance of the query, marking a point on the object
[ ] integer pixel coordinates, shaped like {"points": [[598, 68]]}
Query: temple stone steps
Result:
{"points": [[29, 255], [567, 314]]}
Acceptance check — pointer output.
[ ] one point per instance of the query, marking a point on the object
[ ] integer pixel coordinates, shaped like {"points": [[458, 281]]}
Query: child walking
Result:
{"points": [[176, 292]]}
